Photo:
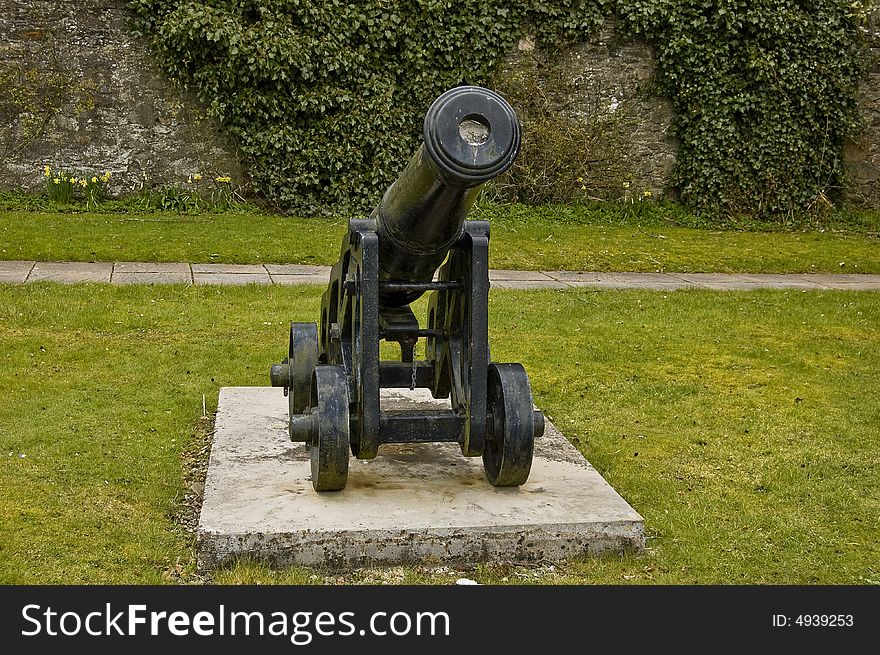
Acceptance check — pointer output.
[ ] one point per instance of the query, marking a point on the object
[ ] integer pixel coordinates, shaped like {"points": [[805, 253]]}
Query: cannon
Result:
{"points": [[414, 242]]}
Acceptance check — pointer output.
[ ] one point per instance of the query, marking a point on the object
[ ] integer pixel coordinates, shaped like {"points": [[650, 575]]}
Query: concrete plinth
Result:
{"points": [[422, 503]]}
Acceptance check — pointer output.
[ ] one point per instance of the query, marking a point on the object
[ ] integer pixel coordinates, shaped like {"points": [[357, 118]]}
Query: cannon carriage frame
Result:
{"points": [[333, 373]]}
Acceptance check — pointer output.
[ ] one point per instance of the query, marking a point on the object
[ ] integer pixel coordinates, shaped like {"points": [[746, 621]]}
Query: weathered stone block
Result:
{"points": [[115, 110], [413, 503]]}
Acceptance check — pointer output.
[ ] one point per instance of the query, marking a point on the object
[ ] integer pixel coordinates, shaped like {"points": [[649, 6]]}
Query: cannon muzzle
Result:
{"points": [[471, 135]]}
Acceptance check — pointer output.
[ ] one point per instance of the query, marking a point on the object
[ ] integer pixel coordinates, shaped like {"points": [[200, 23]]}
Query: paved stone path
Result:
{"points": [[163, 273]]}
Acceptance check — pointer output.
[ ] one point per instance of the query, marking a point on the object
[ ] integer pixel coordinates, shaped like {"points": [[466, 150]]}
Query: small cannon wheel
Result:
{"points": [[302, 358], [329, 447], [510, 444]]}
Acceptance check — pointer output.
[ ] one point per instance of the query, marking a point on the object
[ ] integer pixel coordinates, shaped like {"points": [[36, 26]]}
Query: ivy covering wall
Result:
{"points": [[327, 98], [765, 94]]}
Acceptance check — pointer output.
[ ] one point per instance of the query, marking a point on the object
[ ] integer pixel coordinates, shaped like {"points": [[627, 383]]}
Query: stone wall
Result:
{"points": [[80, 91], [862, 157], [607, 86], [616, 76], [612, 75]]}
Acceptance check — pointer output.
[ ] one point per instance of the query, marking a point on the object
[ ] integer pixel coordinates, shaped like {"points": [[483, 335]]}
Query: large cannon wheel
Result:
{"points": [[510, 443], [329, 445], [302, 358]]}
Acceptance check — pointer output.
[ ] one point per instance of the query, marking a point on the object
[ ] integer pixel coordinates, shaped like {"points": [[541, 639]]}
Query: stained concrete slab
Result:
{"points": [[526, 276], [655, 281], [15, 271], [71, 272], [413, 503], [230, 274], [152, 277], [150, 267], [231, 278], [300, 279], [253, 269], [847, 281], [721, 281], [751, 281], [781, 281], [577, 276], [297, 269], [527, 284]]}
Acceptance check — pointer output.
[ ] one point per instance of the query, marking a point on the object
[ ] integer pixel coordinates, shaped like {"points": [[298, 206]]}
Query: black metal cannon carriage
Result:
{"points": [[416, 241]]}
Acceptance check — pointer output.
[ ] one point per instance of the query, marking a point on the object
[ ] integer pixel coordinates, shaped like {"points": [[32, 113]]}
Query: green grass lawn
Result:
{"points": [[743, 426], [527, 238]]}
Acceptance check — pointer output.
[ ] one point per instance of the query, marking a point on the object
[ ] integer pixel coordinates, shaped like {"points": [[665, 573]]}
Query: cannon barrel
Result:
{"points": [[471, 135]]}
